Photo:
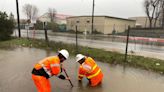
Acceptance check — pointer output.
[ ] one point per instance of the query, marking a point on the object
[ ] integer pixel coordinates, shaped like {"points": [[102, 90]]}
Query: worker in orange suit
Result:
{"points": [[89, 69], [47, 68]]}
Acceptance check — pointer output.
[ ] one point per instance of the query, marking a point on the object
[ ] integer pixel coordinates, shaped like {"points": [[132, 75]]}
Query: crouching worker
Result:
{"points": [[90, 69], [47, 68]]}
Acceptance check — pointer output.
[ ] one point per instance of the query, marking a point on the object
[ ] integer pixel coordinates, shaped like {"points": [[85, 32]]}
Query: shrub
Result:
{"points": [[6, 26]]}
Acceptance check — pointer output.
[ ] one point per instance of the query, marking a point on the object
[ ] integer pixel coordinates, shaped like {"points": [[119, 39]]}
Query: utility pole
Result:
{"points": [[18, 20], [93, 8]]}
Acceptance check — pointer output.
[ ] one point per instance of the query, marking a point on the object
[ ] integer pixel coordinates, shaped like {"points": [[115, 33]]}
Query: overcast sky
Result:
{"points": [[116, 8]]}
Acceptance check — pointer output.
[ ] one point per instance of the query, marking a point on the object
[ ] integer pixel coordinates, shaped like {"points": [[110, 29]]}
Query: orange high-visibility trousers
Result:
{"points": [[42, 84], [96, 80]]}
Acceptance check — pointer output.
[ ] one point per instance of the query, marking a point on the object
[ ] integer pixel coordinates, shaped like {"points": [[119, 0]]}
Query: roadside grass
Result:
{"points": [[151, 64]]}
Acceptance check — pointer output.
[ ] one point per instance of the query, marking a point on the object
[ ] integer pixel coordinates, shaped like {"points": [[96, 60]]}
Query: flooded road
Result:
{"points": [[16, 66]]}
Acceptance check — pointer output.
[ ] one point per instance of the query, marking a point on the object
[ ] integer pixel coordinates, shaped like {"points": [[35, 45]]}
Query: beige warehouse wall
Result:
{"points": [[85, 23], [102, 24], [99, 24], [119, 25]]}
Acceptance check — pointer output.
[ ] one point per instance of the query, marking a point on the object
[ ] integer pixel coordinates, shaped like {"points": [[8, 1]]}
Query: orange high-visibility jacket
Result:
{"points": [[91, 70], [51, 65]]}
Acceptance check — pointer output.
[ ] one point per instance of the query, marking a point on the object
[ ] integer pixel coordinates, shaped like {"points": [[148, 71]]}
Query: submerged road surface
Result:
{"points": [[16, 66]]}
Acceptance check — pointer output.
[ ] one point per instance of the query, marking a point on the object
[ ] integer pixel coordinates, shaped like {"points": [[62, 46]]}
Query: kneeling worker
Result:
{"points": [[90, 69], [48, 67]]}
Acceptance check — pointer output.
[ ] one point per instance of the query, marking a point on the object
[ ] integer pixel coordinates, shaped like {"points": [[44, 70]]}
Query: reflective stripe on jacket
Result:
{"points": [[51, 65]]}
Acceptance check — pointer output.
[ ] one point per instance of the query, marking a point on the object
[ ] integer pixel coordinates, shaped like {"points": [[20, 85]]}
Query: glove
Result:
{"points": [[79, 80], [62, 77], [61, 68]]}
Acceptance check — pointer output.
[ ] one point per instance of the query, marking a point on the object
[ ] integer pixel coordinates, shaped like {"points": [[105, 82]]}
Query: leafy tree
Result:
{"points": [[39, 25], [50, 26], [6, 25], [53, 26]]}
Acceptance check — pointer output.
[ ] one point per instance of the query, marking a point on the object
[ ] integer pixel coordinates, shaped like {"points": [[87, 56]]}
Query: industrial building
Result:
{"points": [[102, 24], [59, 18], [143, 22]]}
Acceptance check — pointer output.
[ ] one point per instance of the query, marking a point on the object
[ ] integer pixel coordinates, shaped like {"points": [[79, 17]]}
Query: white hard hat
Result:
{"points": [[79, 57], [64, 53]]}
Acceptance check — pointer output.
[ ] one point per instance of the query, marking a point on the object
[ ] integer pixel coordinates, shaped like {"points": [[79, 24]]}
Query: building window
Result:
{"points": [[77, 21], [88, 21]]}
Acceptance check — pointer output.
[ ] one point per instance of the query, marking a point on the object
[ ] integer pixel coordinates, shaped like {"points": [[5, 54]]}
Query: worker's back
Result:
{"points": [[91, 70]]}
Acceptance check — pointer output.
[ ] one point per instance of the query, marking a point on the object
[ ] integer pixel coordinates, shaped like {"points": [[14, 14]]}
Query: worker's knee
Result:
{"points": [[46, 90]]}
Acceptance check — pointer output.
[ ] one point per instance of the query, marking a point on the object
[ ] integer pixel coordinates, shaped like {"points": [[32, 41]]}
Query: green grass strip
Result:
{"points": [[151, 64]]}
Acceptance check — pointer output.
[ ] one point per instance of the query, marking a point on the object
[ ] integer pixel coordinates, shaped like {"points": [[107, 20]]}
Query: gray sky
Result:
{"points": [[117, 8]]}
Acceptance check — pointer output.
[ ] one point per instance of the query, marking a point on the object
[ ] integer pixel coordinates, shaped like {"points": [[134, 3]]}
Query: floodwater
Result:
{"points": [[16, 66]]}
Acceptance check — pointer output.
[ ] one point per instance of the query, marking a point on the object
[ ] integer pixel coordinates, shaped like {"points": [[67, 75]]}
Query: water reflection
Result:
{"points": [[16, 66]]}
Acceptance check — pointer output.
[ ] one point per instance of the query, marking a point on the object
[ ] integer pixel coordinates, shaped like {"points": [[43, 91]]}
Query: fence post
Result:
{"points": [[45, 30], [127, 42], [76, 41]]}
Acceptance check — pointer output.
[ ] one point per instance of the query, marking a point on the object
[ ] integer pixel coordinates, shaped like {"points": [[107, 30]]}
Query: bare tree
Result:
{"points": [[52, 14], [34, 12], [152, 10], [11, 16], [27, 10], [162, 12], [157, 12], [30, 11], [148, 8]]}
